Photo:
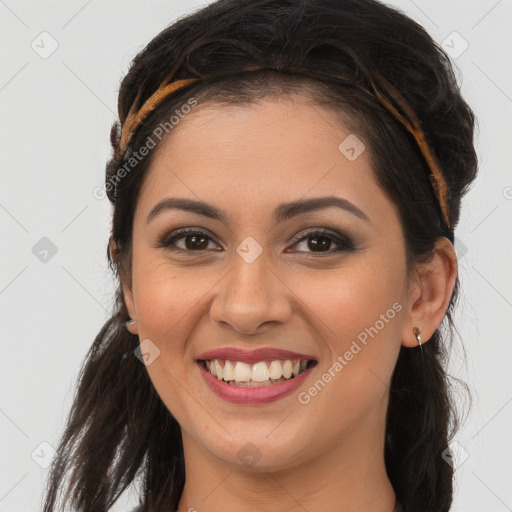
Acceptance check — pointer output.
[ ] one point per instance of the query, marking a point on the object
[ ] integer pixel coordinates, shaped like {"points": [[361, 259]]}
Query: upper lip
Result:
{"points": [[252, 356]]}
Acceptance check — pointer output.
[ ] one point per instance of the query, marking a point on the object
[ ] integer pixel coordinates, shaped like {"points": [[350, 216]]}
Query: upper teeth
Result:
{"points": [[258, 372]]}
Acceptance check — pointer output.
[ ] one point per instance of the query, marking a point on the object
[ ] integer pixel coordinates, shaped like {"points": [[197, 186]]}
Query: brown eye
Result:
{"points": [[196, 242], [186, 240], [322, 242]]}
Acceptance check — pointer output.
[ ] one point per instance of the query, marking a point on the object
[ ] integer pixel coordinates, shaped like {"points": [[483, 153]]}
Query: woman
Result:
{"points": [[286, 179]]}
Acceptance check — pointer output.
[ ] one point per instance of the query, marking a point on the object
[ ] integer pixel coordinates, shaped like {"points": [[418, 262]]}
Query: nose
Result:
{"points": [[252, 298]]}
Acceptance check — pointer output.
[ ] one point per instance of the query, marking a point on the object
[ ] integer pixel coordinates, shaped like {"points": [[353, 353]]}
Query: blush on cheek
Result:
{"points": [[160, 303], [345, 314], [363, 331]]}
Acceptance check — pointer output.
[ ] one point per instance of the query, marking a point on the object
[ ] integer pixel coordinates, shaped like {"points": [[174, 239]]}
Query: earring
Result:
{"points": [[130, 326], [417, 333]]}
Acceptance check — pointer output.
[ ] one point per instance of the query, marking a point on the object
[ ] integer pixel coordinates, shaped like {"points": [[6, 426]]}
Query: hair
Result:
{"points": [[118, 429]]}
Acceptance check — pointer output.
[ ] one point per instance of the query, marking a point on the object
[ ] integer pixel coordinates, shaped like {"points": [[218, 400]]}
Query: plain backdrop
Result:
{"points": [[60, 68]]}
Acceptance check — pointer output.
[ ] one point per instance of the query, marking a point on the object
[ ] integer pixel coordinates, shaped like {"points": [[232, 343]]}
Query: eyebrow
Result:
{"points": [[283, 211]]}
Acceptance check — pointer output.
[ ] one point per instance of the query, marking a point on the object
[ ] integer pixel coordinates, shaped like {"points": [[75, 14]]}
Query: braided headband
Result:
{"points": [[411, 123]]}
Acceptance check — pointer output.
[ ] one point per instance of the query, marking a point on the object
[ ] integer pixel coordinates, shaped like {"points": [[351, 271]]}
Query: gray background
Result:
{"points": [[56, 112]]}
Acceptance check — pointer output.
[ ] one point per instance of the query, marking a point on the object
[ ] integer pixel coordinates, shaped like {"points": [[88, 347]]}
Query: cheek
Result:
{"points": [[360, 315], [162, 291], [164, 297], [352, 300]]}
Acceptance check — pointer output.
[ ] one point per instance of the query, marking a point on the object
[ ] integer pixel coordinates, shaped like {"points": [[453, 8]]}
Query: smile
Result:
{"points": [[252, 392], [260, 374]]}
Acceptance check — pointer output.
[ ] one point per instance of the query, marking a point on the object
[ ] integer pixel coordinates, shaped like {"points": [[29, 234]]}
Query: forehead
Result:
{"points": [[260, 154]]}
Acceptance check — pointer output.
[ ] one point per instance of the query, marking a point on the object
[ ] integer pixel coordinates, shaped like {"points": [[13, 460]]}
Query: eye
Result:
{"points": [[321, 241], [317, 241], [193, 240]]}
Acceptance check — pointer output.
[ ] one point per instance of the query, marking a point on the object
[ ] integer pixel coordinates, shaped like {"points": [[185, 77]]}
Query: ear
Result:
{"points": [[430, 292], [126, 286], [130, 306]]}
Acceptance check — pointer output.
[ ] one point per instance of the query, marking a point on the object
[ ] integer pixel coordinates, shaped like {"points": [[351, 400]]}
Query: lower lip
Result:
{"points": [[256, 395]]}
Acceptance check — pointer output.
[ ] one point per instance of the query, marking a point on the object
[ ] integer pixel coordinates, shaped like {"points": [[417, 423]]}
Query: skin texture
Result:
{"points": [[327, 454]]}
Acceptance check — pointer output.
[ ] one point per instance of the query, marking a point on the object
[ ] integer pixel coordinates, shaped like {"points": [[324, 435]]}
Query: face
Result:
{"points": [[326, 281]]}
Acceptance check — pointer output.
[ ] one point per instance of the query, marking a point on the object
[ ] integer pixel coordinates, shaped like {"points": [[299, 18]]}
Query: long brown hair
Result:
{"points": [[118, 429]]}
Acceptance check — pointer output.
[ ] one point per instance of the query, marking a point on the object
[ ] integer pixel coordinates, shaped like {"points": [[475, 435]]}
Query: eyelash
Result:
{"points": [[344, 243]]}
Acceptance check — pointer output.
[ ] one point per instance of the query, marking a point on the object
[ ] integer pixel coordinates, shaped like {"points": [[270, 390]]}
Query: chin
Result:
{"points": [[257, 451]]}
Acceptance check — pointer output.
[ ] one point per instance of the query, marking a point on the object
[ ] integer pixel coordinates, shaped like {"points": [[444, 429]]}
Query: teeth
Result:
{"points": [[275, 370], [258, 374], [251, 384], [229, 371], [287, 369], [218, 369], [242, 372]]}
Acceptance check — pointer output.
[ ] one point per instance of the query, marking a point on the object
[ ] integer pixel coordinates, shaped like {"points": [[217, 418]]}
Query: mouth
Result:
{"points": [[255, 380], [259, 374]]}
